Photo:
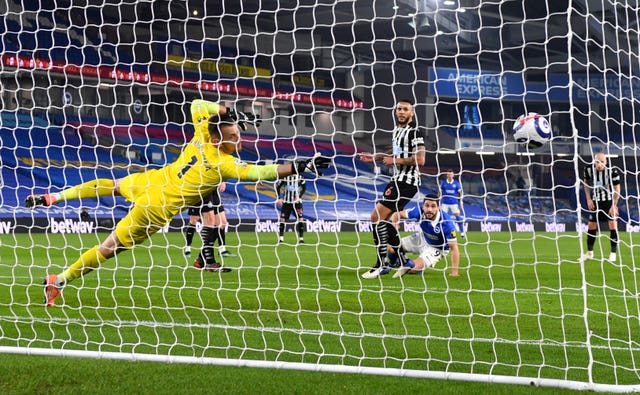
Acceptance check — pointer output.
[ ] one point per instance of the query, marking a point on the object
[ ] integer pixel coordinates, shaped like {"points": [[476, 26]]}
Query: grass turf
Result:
{"points": [[518, 308]]}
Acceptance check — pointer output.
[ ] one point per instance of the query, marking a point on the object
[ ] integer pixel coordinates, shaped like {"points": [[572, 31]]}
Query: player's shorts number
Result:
{"points": [[416, 244]]}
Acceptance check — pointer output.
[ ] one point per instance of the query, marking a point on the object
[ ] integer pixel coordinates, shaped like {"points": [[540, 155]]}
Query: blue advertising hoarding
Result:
{"points": [[510, 85]]}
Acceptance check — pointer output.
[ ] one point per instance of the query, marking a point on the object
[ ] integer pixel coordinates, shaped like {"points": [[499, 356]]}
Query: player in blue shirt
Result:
{"points": [[436, 239], [451, 199]]}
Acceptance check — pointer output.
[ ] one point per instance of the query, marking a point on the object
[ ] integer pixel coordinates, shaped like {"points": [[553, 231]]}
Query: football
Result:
{"points": [[532, 129]]}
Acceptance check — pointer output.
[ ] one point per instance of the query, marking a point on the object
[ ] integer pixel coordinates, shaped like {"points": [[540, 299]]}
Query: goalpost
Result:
{"points": [[101, 90]]}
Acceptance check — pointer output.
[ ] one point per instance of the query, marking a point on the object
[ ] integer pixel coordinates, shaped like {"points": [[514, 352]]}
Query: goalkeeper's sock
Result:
{"points": [[614, 240], [88, 261], [189, 232], [91, 189], [591, 238], [380, 238]]}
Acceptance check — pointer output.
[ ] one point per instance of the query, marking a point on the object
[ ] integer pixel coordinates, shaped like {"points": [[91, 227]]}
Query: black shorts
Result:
{"points": [[397, 194], [601, 213], [211, 203], [288, 208]]}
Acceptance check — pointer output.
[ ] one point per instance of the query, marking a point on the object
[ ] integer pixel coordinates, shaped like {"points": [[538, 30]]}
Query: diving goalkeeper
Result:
{"points": [[160, 194]]}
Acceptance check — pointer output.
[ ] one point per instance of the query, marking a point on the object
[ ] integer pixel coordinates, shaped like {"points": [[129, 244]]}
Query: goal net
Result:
{"points": [[99, 90]]}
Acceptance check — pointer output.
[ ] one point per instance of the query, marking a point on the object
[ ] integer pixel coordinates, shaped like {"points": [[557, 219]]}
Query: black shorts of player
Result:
{"points": [[288, 208], [397, 194], [212, 203], [601, 213]]}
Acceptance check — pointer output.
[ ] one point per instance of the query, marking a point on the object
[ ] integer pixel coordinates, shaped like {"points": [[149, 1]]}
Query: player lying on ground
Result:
{"points": [[436, 238], [159, 195]]}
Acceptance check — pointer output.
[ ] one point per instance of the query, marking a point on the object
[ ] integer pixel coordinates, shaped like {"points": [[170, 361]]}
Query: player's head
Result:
{"points": [[404, 112], [450, 174], [225, 133], [431, 206], [600, 161]]}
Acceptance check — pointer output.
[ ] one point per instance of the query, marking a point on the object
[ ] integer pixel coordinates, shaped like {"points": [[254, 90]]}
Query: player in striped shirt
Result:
{"points": [[290, 190], [406, 155], [602, 189]]}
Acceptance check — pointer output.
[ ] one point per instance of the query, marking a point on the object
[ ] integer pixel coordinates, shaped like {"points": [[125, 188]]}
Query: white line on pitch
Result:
{"points": [[368, 286], [154, 324]]}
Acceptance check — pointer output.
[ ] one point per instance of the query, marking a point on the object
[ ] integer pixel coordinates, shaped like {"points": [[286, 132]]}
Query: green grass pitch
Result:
{"points": [[517, 309]]}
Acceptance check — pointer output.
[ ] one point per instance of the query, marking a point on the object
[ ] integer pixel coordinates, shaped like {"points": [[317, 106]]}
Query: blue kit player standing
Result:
{"points": [[451, 199], [436, 238]]}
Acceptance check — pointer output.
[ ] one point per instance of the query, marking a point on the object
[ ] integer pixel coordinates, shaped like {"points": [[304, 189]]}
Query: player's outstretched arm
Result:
{"points": [[455, 258], [312, 165], [207, 108]]}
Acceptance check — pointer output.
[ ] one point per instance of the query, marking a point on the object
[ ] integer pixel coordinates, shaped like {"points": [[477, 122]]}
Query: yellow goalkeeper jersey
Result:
{"points": [[197, 171]]}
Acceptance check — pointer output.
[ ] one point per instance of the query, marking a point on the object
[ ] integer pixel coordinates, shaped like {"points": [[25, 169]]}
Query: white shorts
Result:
{"points": [[416, 244], [450, 208]]}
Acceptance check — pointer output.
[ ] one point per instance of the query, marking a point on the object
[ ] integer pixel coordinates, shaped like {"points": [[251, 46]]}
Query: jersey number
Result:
{"points": [[188, 166]]}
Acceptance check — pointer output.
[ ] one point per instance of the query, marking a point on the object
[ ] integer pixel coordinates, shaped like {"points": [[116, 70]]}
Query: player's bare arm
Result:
{"points": [[587, 192], [417, 159], [368, 157], [613, 212], [455, 258]]}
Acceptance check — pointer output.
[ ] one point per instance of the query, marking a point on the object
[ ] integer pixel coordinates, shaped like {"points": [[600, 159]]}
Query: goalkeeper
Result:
{"points": [[436, 239], [159, 195]]}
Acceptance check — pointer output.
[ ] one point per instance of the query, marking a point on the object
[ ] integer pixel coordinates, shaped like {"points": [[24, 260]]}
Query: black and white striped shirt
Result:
{"points": [[406, 142], [291, 188], [601, 182]]}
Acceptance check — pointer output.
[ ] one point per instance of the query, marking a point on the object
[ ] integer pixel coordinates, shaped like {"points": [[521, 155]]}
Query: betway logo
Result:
{"points": [[312, 226], [267, 226], [523, 227], [364, 226], [70, 226], [630, 228], [5, 227], [554, 227], [490, 227], [324, 226], [412, 227]]}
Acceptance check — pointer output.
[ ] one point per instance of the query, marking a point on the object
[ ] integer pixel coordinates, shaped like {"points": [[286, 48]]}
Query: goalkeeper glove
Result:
{"points": [[312, 165], [243, 118], [230, 114], [249, 117]]}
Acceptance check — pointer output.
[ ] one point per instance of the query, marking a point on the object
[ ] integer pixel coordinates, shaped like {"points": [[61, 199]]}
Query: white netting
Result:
{"points": [[92, 90]]}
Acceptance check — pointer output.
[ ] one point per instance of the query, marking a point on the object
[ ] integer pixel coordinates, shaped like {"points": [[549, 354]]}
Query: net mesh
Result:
{"points": [[104, 90]]}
